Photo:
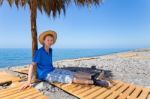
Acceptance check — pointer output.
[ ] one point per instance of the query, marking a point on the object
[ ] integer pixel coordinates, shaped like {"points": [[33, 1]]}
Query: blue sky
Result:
{"points": [[114, 24]]}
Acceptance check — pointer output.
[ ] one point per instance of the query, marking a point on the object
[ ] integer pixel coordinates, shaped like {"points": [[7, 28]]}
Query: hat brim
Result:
{"points": [[42, 35]]}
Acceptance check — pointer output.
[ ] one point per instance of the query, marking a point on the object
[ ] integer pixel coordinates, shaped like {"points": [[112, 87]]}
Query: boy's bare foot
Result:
{"points": [[102, 83], [98, 75]]}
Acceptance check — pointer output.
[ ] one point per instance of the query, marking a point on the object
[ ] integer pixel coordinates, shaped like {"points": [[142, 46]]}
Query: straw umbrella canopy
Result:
{"points": [[50, 7]]}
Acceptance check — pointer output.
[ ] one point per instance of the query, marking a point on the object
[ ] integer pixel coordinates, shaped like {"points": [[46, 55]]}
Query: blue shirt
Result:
{"points": [[44, 62]]}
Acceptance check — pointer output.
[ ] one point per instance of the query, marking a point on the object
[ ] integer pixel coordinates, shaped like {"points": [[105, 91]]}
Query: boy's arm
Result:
{"points": [[30, 72]]}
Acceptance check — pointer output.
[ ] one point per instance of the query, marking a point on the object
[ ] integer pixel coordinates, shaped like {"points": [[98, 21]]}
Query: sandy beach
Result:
{"points": [[132, 67]]}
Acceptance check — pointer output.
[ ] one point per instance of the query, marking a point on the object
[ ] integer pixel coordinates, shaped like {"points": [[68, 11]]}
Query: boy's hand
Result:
{"points": [[24, 86]]}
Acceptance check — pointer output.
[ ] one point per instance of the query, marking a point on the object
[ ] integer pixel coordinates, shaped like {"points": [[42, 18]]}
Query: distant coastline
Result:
{"points": [[18, 56]]}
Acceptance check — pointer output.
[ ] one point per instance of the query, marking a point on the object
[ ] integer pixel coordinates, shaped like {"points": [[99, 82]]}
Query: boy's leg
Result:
{"points": [[82, 75], [82, 81], [102, 83]]}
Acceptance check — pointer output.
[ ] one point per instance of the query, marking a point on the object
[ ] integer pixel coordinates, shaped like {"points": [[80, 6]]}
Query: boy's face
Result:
{"points": [[48, 41]]}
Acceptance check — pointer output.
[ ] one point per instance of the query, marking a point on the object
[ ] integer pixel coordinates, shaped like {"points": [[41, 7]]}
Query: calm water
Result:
{"points": [[15, 57]]}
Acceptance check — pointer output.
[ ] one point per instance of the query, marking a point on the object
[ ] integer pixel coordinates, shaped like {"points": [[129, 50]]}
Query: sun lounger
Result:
{"points": [[7, 78], [14, 93], [119, 90], [125, 55], [21, 70]]}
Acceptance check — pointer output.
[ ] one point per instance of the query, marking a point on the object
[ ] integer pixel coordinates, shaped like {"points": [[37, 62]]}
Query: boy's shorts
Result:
{"points": [[60, 75]]}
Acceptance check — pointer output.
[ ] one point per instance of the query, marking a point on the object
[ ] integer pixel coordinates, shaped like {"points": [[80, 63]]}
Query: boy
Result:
{"points": [[46, 72]]}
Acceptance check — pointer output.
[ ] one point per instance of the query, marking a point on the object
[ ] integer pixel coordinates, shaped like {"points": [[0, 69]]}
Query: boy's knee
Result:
{"points": [[74, 79]]}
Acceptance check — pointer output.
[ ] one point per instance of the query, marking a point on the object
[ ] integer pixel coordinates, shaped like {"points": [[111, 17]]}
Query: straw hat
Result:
{"points": [[42, 35]]}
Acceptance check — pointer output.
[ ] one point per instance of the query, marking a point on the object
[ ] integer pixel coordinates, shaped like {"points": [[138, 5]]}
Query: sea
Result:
{"points": [[10, 57]]}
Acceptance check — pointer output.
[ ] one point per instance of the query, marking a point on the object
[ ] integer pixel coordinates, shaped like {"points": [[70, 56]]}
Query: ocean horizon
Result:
{"points": [[10, 57]]}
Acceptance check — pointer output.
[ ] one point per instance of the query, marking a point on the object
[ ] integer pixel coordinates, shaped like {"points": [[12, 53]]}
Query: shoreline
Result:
{"points": [[130, 66], [120, 51]]}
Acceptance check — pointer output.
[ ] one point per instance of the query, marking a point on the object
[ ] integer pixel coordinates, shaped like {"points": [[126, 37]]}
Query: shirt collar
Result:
{"points": [[45, 50]]}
